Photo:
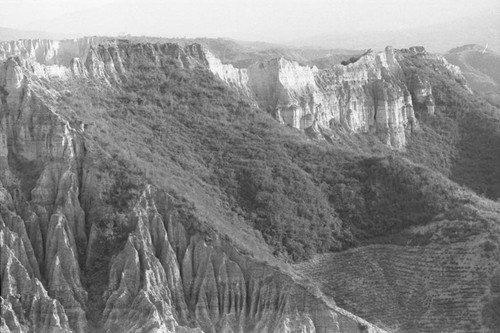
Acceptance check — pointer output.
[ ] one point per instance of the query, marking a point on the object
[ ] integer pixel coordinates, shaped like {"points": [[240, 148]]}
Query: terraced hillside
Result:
{"points": [[447, 285]]}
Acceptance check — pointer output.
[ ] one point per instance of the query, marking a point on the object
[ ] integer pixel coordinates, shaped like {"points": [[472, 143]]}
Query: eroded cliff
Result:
{"points": [[76, 258], [371, 95]]}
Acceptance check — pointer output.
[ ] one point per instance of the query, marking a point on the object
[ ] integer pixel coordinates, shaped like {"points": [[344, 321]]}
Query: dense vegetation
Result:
{"points": [[462, 140], [184, 130]]}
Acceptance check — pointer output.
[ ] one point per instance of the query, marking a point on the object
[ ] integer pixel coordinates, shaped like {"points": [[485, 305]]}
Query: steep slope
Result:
{"points": [[156, 196], [88, 246]]}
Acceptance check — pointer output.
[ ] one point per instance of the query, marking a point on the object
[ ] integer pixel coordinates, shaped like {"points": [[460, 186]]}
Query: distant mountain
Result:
{"points": [[436, 38], [236, 52], [481, 67], [8, 34]]}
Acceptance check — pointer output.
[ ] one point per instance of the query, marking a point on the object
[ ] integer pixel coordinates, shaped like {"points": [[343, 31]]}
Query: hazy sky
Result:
{"points": [[269, 20]]}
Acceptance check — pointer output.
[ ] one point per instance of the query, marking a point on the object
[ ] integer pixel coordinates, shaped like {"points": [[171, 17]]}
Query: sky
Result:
{"points": [[265, 20]]}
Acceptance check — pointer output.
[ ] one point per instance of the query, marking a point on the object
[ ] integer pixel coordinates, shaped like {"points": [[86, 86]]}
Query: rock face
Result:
{"points": [[178, 279], [236, 78], [41, 151], [48, 52], [370, 95], [168, 275], [422, 93]]}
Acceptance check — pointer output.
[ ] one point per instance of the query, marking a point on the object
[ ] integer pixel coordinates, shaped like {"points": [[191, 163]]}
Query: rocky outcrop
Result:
{"points": [[26, 305], [285, 87], [49, 58], [421, 93], [40, 157], [370, 95], [367, 96], [48, 52], [173, 280], [236, 78], [11, 83], [108, 59], [167, 276], [145, 287]]}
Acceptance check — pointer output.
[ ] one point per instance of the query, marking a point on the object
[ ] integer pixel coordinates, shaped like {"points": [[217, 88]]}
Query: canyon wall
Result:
{"points": [[48, 52], [370, 95], [165, 274], [367, 96]]}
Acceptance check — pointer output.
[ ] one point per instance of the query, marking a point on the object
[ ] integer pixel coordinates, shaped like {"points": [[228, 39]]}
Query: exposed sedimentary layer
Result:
{"points": [[48, 52]]}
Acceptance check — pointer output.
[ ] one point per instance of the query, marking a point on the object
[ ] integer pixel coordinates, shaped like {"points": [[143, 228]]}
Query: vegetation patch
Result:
{"points": [[183, 129]]}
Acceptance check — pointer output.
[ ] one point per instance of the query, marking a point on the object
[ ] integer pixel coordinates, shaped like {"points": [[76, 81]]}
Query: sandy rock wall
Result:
{"points": [[422, 93], [40, 159], [366, 96], [371, 95], [236, 78], [48, 52], [26, 304]]}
